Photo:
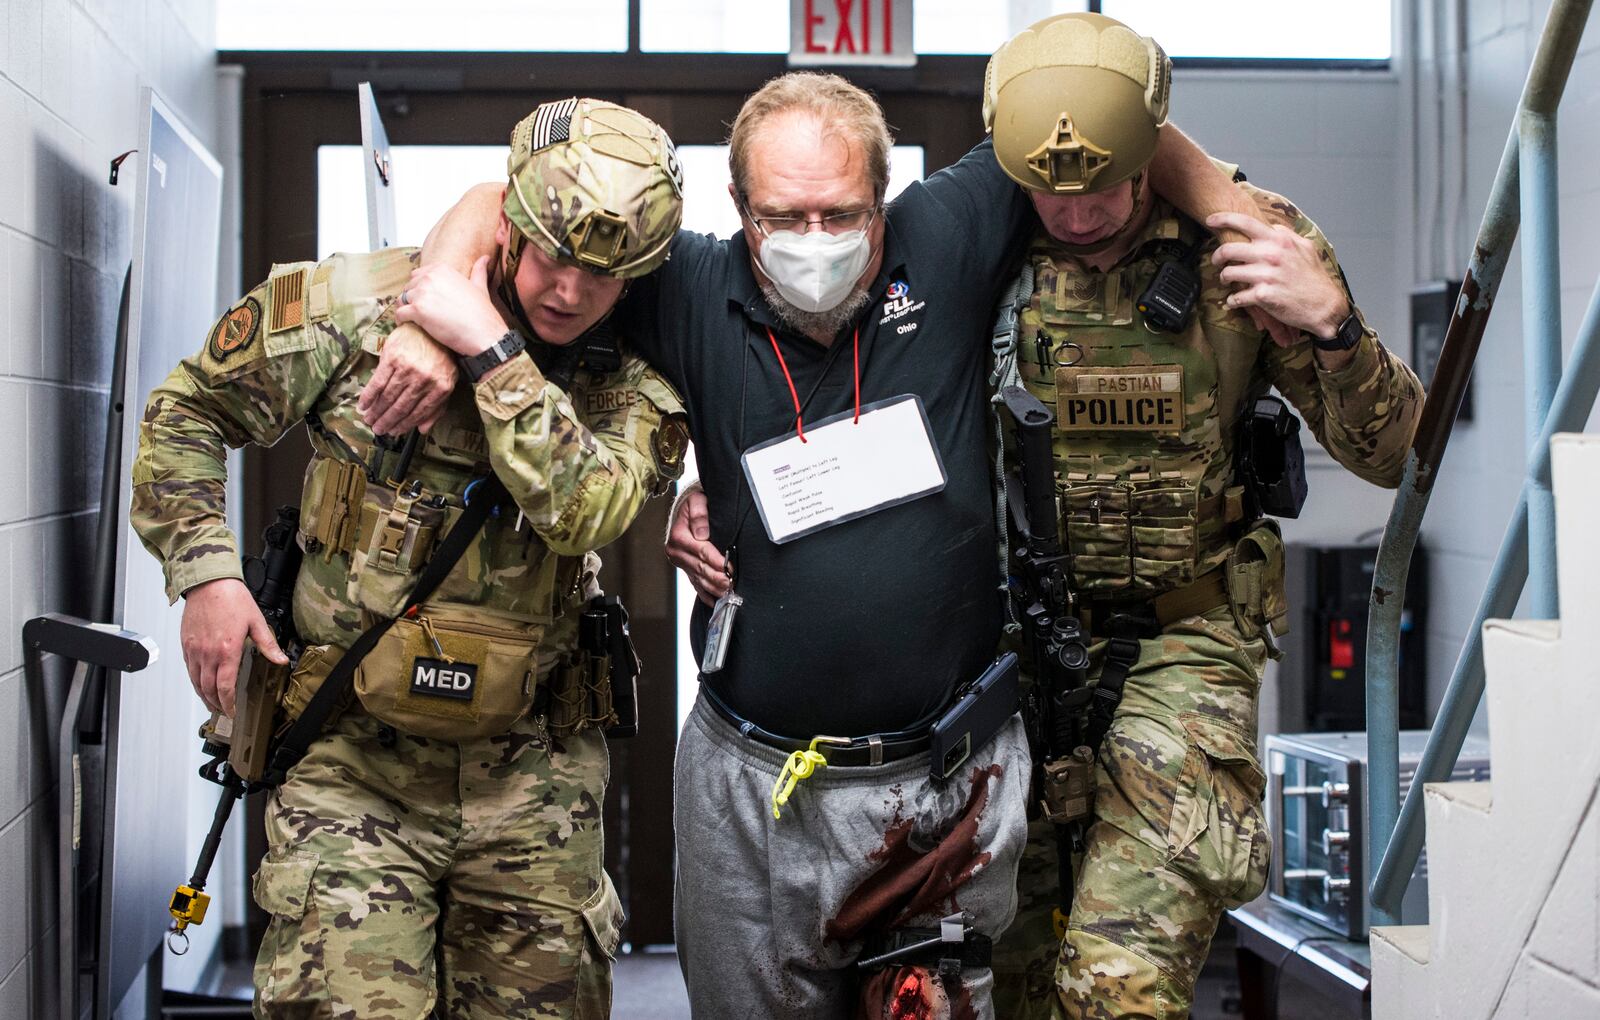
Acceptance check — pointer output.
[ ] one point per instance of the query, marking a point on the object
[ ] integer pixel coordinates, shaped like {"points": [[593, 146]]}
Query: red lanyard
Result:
{"points": [[799, 425]]}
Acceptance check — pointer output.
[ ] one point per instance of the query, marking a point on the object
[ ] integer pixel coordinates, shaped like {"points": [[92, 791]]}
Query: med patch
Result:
{"points": [[437, 678], [236, 330]]}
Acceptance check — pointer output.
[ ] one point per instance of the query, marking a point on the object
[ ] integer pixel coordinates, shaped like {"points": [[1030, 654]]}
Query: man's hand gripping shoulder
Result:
{"points": [[415, 376]]}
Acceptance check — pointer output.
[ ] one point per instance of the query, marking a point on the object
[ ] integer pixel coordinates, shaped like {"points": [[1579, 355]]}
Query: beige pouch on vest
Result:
{"points": [[398, 542], [310, 670], [1256, 589], [452, 672]]}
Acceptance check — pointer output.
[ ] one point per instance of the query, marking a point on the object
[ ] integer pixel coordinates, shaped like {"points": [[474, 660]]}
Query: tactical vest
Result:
{"points": [[1143, 447], [509, 608]]}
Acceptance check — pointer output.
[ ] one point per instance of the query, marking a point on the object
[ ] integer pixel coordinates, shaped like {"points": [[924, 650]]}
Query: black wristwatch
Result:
{"points": [[1345, 337], [479, 365]]}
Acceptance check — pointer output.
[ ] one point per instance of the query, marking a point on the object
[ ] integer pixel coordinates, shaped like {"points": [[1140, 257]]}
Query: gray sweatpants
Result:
{"points": [[771, 913]]}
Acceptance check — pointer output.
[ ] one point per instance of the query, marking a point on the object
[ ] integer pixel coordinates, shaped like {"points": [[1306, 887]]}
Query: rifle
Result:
{"points": [[237, 749], [1053, 639]]}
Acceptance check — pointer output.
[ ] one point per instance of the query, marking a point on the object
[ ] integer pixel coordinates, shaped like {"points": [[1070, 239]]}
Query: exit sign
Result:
{"points": [[873, 33]]}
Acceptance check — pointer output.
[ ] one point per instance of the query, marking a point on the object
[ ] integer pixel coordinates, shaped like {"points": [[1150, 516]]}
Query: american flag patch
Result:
{"points": [[288, 308], [553, 123]]}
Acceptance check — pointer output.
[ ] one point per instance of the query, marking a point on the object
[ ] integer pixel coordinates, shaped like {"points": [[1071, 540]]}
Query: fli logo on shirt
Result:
{"points": [[900, 304]]}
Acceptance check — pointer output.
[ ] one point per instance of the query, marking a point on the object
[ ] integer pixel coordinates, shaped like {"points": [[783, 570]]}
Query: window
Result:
{"points": [[1261, 29], [383, 25], [960, 26], [713, 26], [427, 180], [739, 26]]}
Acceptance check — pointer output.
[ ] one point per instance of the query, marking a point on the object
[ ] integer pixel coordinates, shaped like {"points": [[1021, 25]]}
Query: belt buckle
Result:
{"points": [[822, 745]]}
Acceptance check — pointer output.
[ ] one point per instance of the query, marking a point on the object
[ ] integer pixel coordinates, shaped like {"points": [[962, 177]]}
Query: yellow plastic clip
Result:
{"points": [[188, 906], [801, 765]]}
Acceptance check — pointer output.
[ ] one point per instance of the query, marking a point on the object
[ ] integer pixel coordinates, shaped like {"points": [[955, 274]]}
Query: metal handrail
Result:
{"points": [[1532, 142], [1569, 411]]}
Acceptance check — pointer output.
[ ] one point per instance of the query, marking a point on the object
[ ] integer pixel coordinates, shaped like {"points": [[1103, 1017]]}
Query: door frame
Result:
{"points": [[296, 102]]}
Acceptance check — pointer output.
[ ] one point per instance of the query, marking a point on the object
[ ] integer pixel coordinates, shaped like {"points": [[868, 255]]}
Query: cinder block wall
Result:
{"points": [[1333, 143], [70, 72], [1485, 464]]}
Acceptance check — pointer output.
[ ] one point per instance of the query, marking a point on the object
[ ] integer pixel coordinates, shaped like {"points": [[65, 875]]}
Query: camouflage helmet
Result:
{"points": [[594, 185], [1074, 103]]}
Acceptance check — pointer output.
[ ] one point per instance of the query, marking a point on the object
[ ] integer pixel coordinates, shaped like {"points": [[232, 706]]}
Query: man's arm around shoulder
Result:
{"points": [[415, 376]]}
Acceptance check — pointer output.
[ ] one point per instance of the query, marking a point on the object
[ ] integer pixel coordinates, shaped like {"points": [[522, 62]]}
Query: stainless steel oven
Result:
{"points": [[1317, 808]]}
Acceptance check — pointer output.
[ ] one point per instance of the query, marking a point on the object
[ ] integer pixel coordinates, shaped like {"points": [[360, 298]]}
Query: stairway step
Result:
{"points": [[1547, 631], [1410, 940], [1479, 796], [1575, 466]]}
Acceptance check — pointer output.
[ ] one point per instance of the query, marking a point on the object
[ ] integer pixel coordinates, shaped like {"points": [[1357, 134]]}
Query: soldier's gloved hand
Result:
{"points": [[410, 386], [217, 617], [455, 310], [1280, 273], [689, 546]]}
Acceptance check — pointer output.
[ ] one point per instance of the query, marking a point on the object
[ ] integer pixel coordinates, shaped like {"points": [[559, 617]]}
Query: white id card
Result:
{"points": [[845, 469]]}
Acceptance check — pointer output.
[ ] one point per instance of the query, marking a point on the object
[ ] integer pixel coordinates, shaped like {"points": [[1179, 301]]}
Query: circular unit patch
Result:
{"points": [[236, 330]]}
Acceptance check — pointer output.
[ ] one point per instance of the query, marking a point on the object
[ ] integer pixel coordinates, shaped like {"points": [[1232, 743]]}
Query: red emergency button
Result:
{"points": [[1341, 650]]}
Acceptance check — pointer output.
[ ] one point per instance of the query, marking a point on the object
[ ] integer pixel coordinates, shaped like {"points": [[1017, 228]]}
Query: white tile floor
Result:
{"points": [[648, 986]]}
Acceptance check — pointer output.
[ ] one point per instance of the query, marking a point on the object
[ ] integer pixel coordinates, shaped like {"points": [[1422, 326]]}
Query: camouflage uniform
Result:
{"points": [[381, 839], [1178, 835]]}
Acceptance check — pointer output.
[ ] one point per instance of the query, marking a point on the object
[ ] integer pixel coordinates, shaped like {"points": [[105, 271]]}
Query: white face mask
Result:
{"points": [[815, 271]]}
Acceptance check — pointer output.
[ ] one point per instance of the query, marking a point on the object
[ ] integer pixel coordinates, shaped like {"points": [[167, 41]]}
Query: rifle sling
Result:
{"points": [[308, 727]]}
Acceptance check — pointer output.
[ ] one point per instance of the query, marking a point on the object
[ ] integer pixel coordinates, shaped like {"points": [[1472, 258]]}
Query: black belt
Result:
{"points": [[1148, 617], [872, 749]]}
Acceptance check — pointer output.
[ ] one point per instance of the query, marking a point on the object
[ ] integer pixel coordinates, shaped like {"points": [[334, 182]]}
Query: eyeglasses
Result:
{"points": [[833, 223]]}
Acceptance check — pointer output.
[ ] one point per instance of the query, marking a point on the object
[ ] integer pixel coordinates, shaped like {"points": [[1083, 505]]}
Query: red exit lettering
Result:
{"points": [[853, 28]]}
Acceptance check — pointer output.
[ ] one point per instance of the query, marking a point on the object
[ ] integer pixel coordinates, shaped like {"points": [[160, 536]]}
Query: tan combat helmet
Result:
{"points": [[594, 185], [1075, 102]]}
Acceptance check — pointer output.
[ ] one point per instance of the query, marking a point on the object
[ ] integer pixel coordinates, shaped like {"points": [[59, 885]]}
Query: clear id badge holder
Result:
{"points": [[719, 632]]}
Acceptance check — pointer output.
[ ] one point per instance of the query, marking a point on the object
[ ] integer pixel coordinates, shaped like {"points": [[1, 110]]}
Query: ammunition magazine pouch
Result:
{"points": [[1255, 585], [387, 533], [1131, 539], [595, 685], [1066, 787], [580, 693]]}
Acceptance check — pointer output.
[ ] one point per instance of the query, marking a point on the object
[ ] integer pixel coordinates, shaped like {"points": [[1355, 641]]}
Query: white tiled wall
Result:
{"points": [[70, 72]]}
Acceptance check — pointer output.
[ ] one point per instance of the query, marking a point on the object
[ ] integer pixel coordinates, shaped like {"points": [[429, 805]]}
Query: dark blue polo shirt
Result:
{"points": [[869, 625]]}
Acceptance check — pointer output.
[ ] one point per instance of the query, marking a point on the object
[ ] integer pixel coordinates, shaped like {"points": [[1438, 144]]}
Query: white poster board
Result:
{"points": [[379, 173], [152, 716]]}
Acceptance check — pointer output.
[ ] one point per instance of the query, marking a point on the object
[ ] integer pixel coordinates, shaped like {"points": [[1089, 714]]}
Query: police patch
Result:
{"points": [[235, 330], [1120, 398], [668, 444]]}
